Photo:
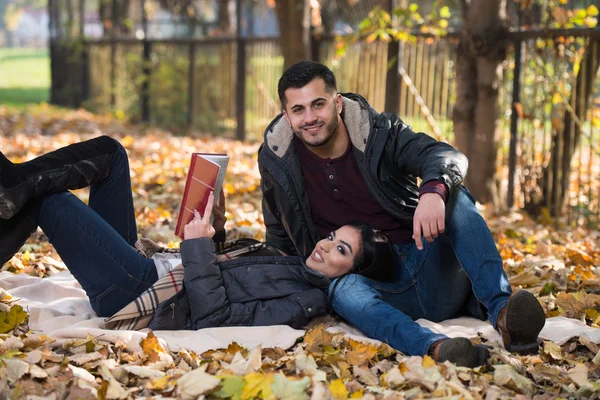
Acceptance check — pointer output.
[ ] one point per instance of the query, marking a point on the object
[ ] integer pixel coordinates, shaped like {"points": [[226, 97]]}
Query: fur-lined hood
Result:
{"points": [[357, 116]]}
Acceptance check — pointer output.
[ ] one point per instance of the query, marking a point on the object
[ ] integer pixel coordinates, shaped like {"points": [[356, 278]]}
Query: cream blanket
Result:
{"points": [[59, 308]]}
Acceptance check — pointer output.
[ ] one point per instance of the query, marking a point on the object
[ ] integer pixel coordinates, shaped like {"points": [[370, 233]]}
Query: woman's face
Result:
{"points": [[334, 255]]}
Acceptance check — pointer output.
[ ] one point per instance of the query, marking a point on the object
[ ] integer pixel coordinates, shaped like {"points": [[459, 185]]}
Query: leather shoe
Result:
{"points": [[520, 323], [459, 351]]}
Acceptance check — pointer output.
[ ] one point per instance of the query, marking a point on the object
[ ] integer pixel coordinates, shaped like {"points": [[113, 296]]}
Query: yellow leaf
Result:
{"points": [[151, 347], [359, 394], [371, 38], [161, 384], [9, 320], [338, 389], [26, 256], [579, 257], [428, 362], [317, 338], [556, 98], [258, 385], [90, 346], [360, 353], [592, 11], [127, 141], [234, 348]]}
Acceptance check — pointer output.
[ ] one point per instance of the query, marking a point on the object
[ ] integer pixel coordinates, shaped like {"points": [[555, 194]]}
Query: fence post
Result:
{"points": [[192, 86], [147, 50], [514, 122], [240, 88], [315, 45], [85, 79], [392, 77]]}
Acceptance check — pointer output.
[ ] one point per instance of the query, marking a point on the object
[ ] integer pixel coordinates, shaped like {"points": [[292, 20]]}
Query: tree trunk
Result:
{"points": [[481, 50], [224, 15], [294, 30], [565, 139]]}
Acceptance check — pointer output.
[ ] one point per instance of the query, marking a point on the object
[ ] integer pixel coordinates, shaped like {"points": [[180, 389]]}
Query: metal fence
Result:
{"points": [[228, 87]]}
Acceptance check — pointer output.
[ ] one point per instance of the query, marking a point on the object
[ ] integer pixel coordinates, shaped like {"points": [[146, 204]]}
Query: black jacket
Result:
{"points": [[389, 154], [246, 291]]}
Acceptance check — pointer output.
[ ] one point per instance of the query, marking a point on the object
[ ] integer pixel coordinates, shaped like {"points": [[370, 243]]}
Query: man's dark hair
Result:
{"points": [[301, 74]]}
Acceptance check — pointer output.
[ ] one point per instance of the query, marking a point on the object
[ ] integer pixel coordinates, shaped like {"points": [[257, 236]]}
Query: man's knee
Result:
{"points": [[351, 292]]}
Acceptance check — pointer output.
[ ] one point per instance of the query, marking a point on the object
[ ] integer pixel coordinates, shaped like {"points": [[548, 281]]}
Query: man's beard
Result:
{"points": [[330, 130]]}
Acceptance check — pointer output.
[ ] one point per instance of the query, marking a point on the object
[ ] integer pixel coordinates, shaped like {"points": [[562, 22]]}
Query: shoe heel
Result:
{"points": [[524, 348]]}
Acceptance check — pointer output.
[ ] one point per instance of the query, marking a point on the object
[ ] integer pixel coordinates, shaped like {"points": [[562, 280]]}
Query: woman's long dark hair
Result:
{"points": [[375, 259]]}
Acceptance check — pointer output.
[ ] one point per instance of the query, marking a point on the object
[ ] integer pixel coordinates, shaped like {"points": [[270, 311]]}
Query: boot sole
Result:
{"points": [[463, 353], [524, 320]]}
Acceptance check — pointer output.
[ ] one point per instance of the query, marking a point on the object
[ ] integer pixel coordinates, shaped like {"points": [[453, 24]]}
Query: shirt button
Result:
{"points": [[330, 176], [248, 269], [328, 164], [335, 190], [309, 309]]}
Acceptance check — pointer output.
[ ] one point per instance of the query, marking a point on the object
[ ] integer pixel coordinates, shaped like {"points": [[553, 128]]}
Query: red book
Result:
{"points": [[206, 175]]}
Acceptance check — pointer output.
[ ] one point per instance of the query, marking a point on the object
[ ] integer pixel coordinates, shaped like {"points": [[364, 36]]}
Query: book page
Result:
{"points": [[223, 161]]}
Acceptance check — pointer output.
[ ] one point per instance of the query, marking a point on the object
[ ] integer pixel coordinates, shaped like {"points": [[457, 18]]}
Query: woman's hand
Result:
{"points": [[200, 226]]}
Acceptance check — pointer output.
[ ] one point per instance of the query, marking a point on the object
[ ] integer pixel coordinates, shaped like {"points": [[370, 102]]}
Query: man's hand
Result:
{"points": [[429, 218], [200, 226], [219, 219]]}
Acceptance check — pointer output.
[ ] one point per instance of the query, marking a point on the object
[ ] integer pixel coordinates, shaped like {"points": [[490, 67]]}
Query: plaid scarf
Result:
{"points": [[139, 313]]}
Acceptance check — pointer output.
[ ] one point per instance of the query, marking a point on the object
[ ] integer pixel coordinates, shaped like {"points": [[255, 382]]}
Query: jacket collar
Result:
{"points": [[357, 117], [316, 278]]}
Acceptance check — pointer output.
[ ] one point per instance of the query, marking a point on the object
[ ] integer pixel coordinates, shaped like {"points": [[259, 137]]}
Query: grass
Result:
{"points": [[24, 76]]}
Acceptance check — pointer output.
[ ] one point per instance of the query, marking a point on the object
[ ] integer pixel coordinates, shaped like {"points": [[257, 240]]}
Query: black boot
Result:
{"points": [[14, 232], [72, 167]]}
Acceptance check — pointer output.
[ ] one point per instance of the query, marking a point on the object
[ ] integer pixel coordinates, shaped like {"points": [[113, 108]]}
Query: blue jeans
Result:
{"points": [[95, 241], [434, 283]]}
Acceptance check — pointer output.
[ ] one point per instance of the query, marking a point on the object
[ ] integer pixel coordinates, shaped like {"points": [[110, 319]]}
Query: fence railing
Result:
{"points": [[198, 84]]}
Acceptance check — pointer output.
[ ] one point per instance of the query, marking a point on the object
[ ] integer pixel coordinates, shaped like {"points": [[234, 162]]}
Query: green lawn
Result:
{"points": [[24, 76]]}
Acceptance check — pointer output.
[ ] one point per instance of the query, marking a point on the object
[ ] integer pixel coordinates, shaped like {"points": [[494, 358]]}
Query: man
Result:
{"points": [[329, 158]]}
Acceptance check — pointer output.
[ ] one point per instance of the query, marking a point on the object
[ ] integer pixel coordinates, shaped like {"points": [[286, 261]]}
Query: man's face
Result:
{"points": [[313, 113]]}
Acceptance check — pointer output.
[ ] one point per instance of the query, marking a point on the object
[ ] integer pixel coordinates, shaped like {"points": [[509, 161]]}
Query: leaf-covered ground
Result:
{"points": [[560, 267]]}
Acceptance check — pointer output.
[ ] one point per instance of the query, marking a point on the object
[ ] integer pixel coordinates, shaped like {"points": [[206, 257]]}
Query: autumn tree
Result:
{"points": [[566, 131], [293, 17], [481, 50]]}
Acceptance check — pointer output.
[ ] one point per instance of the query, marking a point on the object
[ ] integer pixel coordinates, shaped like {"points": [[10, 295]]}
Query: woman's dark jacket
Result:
{"points": [[247, 291], [389, 155]]}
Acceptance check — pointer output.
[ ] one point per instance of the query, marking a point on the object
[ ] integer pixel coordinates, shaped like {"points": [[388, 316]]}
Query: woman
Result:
{"points": [[96, 243]]}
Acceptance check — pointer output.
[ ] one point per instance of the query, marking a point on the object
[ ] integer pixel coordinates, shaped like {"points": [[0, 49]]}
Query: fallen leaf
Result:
{"points": [[507, 376], [258, 385], [317, 338], [15, 369], [10, 320], [143, 372], [231, 388], [110, 387], [360, 353], [196, 383], [290, 389], [151, 347], [338, 389]]}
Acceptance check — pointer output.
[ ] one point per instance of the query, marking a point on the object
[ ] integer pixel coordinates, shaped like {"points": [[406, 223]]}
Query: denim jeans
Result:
{"points": [[433, 283], [95, 241]]}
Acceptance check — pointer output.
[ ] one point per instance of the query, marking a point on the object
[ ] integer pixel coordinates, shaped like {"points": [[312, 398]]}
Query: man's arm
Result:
{"points": [[277, 236], [442, 169], [421, 155]]}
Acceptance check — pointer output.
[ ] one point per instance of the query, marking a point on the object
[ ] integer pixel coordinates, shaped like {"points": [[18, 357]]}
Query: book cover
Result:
{"points": [[206, 175]]}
